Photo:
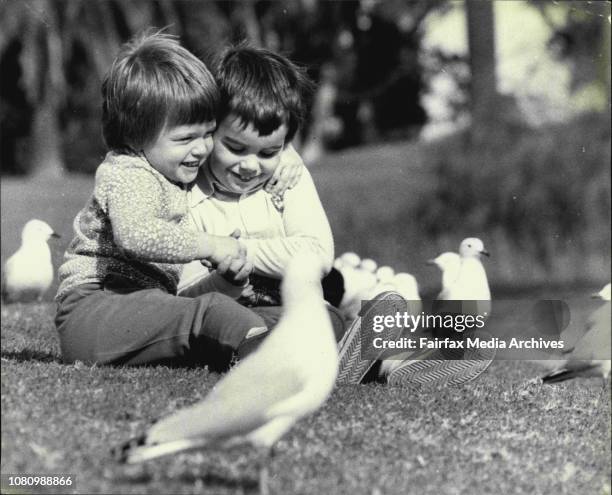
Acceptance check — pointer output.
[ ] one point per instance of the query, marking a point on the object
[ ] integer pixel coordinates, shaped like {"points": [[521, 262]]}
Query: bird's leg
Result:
{"points": [[266, 455]]}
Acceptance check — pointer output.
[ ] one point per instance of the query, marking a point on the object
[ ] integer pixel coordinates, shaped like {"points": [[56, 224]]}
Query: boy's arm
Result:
{"points": [[288, 172], [306, 227]]}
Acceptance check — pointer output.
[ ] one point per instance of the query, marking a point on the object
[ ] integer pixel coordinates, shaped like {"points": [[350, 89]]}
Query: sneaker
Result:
{"points": [[443, 366], [352, 367]]}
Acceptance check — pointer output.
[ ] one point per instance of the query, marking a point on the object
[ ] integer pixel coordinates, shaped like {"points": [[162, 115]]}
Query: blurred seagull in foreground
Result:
{"points": [[289, 376], [595, 341], [28, 273]]}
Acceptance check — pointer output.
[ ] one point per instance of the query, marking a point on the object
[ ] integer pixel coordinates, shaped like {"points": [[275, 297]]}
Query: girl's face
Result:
{"points": [[180, 151], [242, 160]]}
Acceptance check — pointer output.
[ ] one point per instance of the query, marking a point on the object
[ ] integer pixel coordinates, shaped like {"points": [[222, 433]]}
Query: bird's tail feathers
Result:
{"points": [[568, 373], [137, 450]]}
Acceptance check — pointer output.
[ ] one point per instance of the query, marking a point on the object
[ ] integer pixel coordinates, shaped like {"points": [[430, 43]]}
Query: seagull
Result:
{"points": [[406, 285], [289, 376], [358, 283], [467, 281], [368, 265], [348, 259], [384, 282], [595, 341], [464, 283], [449, 264], [385, 273], [28, 273], [471, 281]]}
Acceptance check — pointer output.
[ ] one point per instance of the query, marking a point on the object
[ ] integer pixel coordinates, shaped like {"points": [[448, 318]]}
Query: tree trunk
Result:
{"points": [[247, 19], [46, 157], [42, 64], [481, 44], [604, 62]]}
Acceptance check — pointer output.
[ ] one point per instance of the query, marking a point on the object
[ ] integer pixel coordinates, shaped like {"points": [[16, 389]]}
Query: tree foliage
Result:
{"points": [[54, 53]]}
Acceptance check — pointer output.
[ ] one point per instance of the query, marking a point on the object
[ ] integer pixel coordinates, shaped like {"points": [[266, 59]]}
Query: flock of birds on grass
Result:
{"points": [[294, 370]]}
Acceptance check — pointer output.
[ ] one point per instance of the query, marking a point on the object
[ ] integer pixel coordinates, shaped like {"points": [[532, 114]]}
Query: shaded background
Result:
{"points": [[433, 120]]}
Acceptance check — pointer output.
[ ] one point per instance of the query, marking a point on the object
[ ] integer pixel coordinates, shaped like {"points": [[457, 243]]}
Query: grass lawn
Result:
{"points": [[504, 433]]}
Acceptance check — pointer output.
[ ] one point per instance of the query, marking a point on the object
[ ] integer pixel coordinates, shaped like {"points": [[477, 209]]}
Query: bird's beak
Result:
{"points": [[56, 235], [485, 252], [430, 262]]}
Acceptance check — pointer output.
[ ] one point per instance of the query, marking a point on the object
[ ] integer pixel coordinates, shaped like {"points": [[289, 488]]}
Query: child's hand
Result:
{"points": [[235, 270], [223, 247], [287, 173]]}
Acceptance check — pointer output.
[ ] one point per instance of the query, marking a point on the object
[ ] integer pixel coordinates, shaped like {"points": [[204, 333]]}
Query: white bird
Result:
{"points": [[369, 265], [406, 285], [357, 284], [289, 376], [351, 259], [28, 273], [594, 343], [463, 280], [449, 264], [385, 273], [604, 294], [470, 282], [384, 282]]}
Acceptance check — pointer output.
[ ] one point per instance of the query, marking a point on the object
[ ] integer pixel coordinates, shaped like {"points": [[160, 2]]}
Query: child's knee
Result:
{"points": [[227, 321]]}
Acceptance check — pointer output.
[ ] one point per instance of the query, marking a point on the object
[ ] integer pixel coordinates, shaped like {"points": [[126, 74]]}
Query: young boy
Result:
{"points": [[117, 300], [262, 106]]}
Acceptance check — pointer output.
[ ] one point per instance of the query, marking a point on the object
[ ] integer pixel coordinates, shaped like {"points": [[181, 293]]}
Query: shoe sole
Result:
{"points": [[432, 367], [352, 367]]}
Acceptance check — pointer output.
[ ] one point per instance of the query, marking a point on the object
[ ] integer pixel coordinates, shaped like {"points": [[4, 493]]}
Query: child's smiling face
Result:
{"points": [[180, 151], [242, 160]]}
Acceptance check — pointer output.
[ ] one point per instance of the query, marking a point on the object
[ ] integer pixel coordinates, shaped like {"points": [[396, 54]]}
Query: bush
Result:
{"points": [[543, 194]]}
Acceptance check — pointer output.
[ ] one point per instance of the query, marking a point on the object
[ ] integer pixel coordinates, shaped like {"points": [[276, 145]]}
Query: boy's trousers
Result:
{"points": [[113, 323]]}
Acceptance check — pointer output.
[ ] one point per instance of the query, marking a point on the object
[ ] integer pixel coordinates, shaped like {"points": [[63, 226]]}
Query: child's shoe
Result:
{"points": [[352, 367], [433, 366]]}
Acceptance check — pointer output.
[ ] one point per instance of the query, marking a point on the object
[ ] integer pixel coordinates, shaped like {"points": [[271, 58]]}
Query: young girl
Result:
{"points": [[117, 300]]}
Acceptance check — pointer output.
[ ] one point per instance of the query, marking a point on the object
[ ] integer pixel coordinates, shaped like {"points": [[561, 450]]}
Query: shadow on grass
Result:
{"points": [[222, 481], [30, 355], [208, 479]]}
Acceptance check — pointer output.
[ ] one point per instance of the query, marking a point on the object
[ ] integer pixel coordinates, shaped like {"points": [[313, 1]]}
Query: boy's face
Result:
{"points": [[179, 152], [242, 160]]}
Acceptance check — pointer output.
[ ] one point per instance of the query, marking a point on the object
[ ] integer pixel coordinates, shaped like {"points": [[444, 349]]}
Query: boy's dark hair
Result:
{"points": [[154, 82], [262, 88]]}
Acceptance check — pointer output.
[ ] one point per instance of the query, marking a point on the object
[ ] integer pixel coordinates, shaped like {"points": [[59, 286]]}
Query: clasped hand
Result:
{"points": [[229, 259]]}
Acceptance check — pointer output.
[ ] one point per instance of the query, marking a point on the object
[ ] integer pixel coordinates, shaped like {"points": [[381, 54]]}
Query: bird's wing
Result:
{"points": [[237, 404], [269, 433], [596, 341], [574, 369]]}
